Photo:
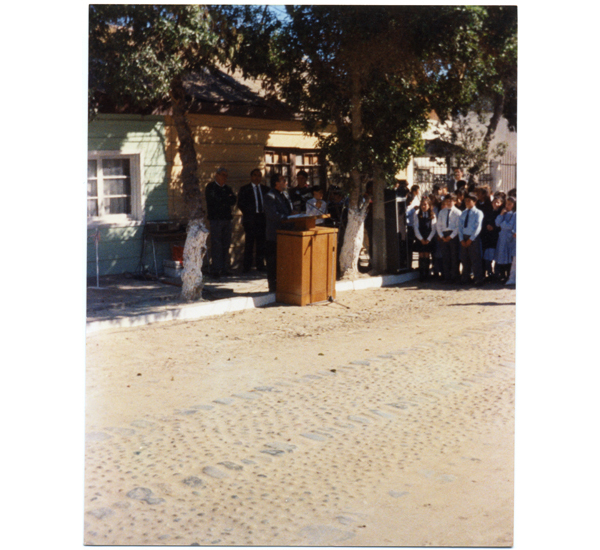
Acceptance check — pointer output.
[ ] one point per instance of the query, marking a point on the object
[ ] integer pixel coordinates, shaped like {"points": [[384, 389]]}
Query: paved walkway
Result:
{"points": [[125, 301]]}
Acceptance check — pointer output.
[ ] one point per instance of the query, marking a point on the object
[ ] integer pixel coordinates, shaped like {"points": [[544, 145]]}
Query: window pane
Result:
{"points": [[92, 208], [92, 168], [92, 188], [299, 160], [119, 205], [115, 167], [119, 186]]}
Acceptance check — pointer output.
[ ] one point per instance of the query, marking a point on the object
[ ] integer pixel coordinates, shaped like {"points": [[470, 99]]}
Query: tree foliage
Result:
{"points": [[374, 73], [138, 58], [137, 51], [493, 74]]}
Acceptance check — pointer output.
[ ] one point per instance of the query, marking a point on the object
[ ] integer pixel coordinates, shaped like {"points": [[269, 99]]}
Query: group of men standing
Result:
{"points": [[264, 211], [220, 200]]}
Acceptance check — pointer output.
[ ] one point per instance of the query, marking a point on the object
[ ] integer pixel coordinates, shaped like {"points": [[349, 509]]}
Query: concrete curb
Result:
{"points": [[375, 282], [189, 312]]}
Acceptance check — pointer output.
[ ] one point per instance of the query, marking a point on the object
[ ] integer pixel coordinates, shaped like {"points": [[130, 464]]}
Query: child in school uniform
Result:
{"points": [[489, 231], [447, 237], [489, 254], [469, 229], [506, 247], [436, 256], [316, 206], [460, 199], [424, 227], [412, 204]]}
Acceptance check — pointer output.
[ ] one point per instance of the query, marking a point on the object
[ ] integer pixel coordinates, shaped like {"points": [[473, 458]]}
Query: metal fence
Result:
{"points": [[500, 175], [507, 177]]}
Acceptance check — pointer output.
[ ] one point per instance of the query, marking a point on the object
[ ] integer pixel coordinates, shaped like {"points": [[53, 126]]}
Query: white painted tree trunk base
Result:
{"points": [[353, 241], [193, 254]]}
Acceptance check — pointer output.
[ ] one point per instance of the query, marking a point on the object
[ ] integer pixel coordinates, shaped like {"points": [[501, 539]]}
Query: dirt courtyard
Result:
{"points": [[383, 419]]}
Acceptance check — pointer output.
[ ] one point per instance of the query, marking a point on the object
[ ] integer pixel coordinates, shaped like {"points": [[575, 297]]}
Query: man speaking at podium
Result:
{"points": [[277, 210]]}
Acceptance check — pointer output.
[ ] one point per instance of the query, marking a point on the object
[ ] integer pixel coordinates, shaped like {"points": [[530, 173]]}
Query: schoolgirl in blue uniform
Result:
{"points": [[506, 246]]}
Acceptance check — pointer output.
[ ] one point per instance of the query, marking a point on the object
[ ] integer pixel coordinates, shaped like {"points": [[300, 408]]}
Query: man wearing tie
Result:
{"points": [[251, 203], [469, 228], [447, 230]]}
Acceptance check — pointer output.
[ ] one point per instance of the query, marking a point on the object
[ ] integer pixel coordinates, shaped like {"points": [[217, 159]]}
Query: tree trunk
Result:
{"points": [[353, 236], [193, 254], [489, 134], [357, 133], [197, 233], [378, 246], [353, 241]]}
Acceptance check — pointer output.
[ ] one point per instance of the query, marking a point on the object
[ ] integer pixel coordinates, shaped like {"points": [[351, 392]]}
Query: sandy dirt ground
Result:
{"points": [[384, 419]]}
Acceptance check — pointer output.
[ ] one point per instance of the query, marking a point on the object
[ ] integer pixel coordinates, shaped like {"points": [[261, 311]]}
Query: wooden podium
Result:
{"points": [[306, 263]]}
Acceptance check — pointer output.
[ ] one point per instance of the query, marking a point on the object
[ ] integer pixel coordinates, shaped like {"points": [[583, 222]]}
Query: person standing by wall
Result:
{"points": [[251, 199], [220, 199]]}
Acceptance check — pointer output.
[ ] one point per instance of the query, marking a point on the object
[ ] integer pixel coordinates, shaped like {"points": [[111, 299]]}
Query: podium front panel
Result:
{"points": [[306, 262]]}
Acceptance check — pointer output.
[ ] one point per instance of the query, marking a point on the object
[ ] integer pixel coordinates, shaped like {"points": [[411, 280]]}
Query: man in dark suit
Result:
{"points": [[219, 200], [277, 210], [251, 203], [458, 182]]}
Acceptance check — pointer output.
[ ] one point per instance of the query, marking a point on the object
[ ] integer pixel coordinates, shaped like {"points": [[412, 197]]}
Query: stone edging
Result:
{"points": [[188, 312]]}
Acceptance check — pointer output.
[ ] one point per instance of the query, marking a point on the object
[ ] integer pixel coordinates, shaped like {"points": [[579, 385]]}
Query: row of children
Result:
{"points": [[469, 229]]}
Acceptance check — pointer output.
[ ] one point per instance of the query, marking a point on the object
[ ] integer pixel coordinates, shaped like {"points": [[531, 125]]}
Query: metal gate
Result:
{"points": [[507, 172], [500, 175], [427, 171]]}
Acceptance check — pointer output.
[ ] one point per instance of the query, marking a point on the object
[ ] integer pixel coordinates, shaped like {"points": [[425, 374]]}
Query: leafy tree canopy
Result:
{"points": [[375, 73], [138, 51]]}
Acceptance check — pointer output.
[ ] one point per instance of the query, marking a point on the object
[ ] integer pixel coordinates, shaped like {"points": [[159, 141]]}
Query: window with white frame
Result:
{"points": [[114, 186]]}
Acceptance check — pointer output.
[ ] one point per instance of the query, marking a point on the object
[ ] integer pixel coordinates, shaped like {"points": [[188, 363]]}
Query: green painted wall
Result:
{"points": [[120, 247]]}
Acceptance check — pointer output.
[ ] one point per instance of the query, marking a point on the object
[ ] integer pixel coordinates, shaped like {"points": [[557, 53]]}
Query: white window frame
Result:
{"points": [[136, 216]]}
